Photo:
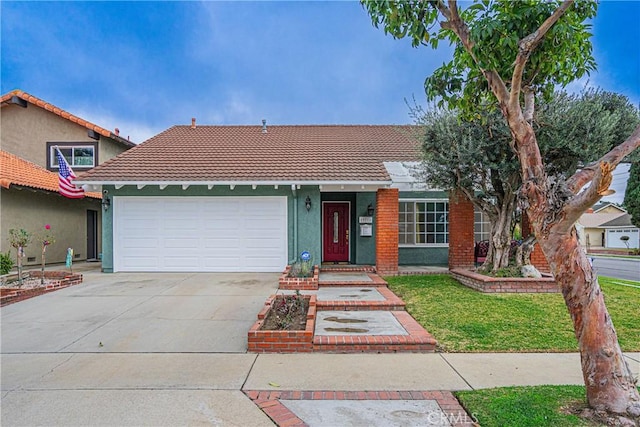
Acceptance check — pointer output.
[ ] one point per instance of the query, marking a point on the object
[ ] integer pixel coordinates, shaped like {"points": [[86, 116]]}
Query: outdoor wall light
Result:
{"points": [[370, 210], [106, 201], [307, 203]]}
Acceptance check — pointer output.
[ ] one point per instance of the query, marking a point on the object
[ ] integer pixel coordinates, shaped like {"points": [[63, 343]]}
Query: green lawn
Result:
{"points": [[539, 406], [464, 320]]}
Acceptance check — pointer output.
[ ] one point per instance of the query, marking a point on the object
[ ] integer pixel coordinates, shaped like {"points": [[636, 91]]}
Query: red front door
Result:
{"points": [[335, 232]]}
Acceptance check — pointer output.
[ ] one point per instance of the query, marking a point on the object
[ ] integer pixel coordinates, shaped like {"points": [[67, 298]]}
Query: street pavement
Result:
{"points": [[619, 268], [170, 349]]}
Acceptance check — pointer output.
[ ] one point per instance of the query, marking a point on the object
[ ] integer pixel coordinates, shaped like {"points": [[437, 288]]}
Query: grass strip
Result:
{"points": [[465, 320], [539, 406]]}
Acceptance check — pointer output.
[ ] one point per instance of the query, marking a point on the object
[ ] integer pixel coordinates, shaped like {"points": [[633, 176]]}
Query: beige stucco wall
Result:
{"points": [[31, 210], [610, 209], [594, 239], [26, 131]]}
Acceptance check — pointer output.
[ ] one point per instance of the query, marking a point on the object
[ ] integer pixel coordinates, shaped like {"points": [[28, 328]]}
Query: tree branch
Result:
{"points": [[600, 175], [459, 27], [615, 156], [526, 46], [576, 206], [529, 103]]}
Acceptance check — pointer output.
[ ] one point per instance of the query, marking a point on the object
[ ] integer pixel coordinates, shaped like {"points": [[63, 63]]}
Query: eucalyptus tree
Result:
{"points": [[515, 52]]}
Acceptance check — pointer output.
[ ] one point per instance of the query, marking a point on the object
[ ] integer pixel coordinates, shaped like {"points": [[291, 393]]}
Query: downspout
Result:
{"points": [[295, 221]]}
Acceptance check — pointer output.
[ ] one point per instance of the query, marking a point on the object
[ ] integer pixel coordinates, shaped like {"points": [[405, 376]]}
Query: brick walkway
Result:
{"points": [[269, 402]]}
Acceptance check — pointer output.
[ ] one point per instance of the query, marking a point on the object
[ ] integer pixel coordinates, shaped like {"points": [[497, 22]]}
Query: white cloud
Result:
{"points": [[137, 132]]}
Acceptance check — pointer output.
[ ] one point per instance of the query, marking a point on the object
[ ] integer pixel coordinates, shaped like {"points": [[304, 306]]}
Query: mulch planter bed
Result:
{"points": [[262, 340], [487, 284], [54, 280]]}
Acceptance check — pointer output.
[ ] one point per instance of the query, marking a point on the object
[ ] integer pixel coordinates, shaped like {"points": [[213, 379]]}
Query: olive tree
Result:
{"points": [[474, 154]]}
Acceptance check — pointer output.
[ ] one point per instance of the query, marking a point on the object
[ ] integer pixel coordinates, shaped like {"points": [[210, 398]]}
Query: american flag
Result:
{"points": [[65, 175]]}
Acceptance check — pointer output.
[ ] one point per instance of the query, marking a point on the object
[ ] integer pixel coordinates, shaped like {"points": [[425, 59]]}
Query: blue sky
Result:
{"points": [[146, 66]]}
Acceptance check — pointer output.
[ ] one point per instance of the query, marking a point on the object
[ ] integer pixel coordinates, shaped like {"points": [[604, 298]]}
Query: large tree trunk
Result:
{"points": [[501, 226], [499, 242], [610, 384]]}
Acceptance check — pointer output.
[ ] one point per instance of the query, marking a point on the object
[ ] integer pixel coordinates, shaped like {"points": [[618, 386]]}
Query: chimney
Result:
{"points": [[117, 132], [193, 123], [264, 126]]}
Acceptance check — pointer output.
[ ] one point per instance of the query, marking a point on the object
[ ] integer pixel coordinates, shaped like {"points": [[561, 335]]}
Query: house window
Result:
{"points": [[79, 155], [423, 222], [481, 226]]}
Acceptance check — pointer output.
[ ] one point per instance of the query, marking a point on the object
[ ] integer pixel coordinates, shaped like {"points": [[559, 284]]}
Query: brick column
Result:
{"points": [[538, 259], [387, 206], [461, 236]]}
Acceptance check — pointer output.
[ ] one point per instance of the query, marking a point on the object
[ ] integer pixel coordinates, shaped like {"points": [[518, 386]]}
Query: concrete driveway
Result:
{"points": [[136, 349], [140, 313]]}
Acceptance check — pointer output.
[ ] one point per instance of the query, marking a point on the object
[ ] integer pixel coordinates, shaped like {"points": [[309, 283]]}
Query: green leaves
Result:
{"points": [[496, 29]]}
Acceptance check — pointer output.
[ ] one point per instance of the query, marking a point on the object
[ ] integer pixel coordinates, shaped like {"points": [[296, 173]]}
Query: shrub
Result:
{"points": [[6, 263], [301, 269]]}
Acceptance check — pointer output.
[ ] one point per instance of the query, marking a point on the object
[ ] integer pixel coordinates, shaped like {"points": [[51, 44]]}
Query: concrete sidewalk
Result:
{"points": [[199, 388], [170, 349]]}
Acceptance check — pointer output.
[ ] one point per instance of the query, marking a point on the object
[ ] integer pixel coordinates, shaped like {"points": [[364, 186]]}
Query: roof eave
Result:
{"points": [[121, 183]]}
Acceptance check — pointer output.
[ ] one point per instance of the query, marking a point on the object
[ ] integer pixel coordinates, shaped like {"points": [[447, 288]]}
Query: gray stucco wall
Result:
{"points": [[307, 236], [31, 210]]}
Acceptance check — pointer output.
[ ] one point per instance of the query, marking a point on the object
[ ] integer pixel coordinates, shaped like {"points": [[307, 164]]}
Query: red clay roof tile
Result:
{"points": [[327, 153], [15, 170]]}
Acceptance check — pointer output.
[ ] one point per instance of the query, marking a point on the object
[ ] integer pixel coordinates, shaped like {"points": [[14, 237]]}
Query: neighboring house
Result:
{"points": [[251, 198], [29, 130], [603, 227]]}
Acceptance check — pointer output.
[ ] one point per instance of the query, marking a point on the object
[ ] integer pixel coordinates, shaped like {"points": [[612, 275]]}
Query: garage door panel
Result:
{"points": [[141, 209], [182, 244], [140, 243], [181, 262], [200, 233], [223, 263]]}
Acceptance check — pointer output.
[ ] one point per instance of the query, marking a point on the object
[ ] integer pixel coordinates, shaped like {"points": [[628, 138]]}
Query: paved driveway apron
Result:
{"points": [[137, 348]]}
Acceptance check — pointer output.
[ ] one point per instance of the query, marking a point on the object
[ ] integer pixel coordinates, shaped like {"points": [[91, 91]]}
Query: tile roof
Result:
{"points": [[4, 100], [15, 170], [311, 153], [596, 220], [623, 220]]}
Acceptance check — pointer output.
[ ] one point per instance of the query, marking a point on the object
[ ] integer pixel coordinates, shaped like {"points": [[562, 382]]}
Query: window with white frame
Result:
{"points": [[423, 222], [78, 156], [481, 226]]}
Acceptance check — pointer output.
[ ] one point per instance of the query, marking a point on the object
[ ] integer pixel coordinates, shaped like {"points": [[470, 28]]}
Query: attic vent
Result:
{"points": [[18, 101], [193, 123], [264, 126]]}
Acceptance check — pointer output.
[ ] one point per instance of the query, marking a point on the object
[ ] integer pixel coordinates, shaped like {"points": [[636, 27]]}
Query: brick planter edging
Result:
{"points": [[269, 402], [488, 284], [58, 280], [262, 341], [299, 283]]}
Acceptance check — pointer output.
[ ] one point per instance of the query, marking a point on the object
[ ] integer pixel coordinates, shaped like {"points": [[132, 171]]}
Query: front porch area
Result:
{"points": [[353, 311]]}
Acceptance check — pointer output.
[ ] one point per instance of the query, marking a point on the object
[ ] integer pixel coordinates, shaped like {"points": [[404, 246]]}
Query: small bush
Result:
{"points": [[6, 263], [301, 269]]}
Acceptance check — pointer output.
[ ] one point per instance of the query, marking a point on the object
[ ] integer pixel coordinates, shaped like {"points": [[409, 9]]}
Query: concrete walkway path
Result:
{"points": [[169, 349]]}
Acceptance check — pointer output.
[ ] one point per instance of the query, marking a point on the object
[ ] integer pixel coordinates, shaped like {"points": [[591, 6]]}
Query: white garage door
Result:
{"points": [[614, 238], [223, 234]]}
